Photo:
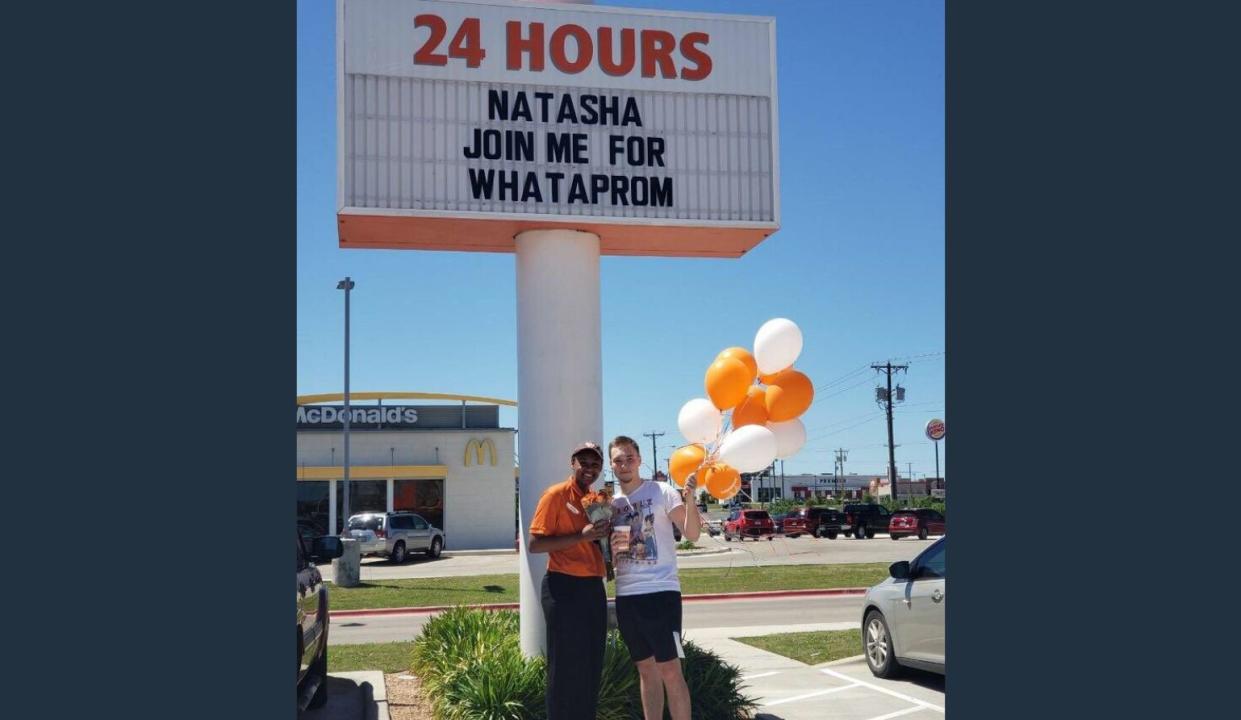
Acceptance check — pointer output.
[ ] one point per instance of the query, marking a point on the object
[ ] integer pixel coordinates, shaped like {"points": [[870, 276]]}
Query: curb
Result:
{"points": [[762, 595]]}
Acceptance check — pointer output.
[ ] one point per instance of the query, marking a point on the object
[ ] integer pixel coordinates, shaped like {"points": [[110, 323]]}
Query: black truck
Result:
{"points": [[866, 519]]}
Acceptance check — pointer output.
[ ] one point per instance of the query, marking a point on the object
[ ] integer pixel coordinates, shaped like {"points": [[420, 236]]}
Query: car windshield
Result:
{"points": [[757, 515], [369, 522]]}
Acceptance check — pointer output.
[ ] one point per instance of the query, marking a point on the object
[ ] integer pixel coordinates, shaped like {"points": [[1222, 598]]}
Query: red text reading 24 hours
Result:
{"points": [[617, 52]]}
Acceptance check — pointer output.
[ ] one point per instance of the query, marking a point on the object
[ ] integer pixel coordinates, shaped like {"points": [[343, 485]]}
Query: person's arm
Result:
{"points": [[686, 515], [552, 543]]}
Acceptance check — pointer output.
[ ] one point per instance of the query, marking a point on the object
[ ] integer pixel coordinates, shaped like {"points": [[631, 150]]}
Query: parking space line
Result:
{"points": [[898, 713], [893, 693], [810, 695], [760, 675]]}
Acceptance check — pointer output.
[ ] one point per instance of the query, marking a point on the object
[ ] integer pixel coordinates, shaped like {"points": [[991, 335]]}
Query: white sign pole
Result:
{"points": [[559, 383]]}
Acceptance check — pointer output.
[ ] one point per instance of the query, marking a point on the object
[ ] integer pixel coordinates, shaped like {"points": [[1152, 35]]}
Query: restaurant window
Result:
{"points": [[364, 496], [312, 507], [425, 497]]}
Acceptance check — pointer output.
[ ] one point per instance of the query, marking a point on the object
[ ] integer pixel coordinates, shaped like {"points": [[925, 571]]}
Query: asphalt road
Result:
{"points": [[804, 550], [780, 614]]}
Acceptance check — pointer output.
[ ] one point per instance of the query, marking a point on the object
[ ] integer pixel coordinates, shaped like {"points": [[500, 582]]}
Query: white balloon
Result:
{"points": [[776, 345], [748, 449], [790, 436], [700, 421]]}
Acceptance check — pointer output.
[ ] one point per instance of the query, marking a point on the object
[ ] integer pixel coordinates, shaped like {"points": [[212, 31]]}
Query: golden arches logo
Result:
{"points": [[477, 447]]}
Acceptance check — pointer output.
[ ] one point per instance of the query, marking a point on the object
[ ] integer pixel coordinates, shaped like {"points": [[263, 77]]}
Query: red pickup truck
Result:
{"points": [[742, 524]]}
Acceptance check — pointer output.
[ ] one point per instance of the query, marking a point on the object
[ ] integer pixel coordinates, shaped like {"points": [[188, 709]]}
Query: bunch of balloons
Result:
{"points": [[763, 396]]}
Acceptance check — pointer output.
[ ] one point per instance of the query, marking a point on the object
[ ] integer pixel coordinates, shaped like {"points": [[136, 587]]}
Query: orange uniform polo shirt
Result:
{"points": [[553, 516]]}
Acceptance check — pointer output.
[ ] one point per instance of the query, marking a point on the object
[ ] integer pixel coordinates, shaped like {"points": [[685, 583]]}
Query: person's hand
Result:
{"points": [[691, 484], [595, 531]]}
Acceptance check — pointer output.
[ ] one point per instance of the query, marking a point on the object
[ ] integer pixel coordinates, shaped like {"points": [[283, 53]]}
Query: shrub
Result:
{"points": [[472, 668]]}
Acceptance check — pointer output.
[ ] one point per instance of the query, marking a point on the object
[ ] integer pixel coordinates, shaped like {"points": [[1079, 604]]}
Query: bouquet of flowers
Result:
{"points": [[598, 507]]}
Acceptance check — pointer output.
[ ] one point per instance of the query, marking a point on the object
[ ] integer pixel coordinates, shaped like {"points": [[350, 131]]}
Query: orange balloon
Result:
{"points": [[740, 353], [789, 394], [727, 382], [766, 379], [685, 460], [752, 410], [721, 480]]}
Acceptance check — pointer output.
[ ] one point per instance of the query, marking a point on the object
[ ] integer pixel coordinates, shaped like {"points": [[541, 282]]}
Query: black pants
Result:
{"points": [[576, 611]]}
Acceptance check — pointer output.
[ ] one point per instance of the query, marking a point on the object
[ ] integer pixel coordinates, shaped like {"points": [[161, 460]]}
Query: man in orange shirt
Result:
{"points": [[575, 604]]}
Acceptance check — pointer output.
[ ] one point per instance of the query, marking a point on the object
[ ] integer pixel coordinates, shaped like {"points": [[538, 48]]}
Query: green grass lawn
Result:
{"points": [[811, 648], [481, 589], [388, 657]]}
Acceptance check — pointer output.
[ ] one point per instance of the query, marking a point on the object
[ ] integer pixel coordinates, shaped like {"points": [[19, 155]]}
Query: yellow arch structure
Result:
{"points": [[340, 397]]}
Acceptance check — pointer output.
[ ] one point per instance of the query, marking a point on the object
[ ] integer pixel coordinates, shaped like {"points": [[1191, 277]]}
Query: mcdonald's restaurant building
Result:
{"points": [[452, 464]]}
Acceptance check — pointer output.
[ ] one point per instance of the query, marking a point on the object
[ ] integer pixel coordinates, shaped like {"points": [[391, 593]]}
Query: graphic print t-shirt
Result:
{"points": [[651, 563]]}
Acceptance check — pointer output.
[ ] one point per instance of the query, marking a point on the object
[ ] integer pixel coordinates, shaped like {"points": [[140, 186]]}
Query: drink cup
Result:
{"points": [[620, 534]]}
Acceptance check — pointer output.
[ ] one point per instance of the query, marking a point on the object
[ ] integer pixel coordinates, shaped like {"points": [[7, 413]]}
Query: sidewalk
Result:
{"points": [[353, 696], [783, 688], [789, 690]]}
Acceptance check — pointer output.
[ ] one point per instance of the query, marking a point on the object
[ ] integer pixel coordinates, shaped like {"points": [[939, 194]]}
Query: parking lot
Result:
{"points": [[804, 550]]}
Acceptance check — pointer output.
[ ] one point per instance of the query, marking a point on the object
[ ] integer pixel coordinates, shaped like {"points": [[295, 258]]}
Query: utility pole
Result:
{"points": [[346, 285], [885, 399], [838, 483], [655, 454]]}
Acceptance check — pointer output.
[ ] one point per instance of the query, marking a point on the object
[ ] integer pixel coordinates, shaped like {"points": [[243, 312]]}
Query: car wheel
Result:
{"points": [[727, 537], [922, 533], [831, 536], [398, 552], [877, 646], [870, 534], [859, 532], [436, 546]]}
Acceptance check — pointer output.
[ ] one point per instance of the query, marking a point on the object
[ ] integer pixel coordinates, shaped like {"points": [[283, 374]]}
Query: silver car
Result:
{"points": [[395, 534], [903, 616]]}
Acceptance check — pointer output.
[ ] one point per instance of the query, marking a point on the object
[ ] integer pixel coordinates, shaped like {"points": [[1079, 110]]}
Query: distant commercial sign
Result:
{"points": [[461, 124], [334, 416], [935, 429]]}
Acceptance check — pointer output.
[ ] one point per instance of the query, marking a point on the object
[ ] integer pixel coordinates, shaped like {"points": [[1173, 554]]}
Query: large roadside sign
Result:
{"points": [[935, 429], [462, 124]]}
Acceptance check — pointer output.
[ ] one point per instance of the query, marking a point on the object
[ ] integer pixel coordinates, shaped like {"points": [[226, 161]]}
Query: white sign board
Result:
{"points": [[462, 122]]}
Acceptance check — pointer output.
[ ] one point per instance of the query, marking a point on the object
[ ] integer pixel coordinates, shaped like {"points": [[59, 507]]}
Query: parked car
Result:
{"points": [[743, 523], [308, 530], [866, 519], [823, 522], [395, 534], [312, 620], [792, 524], [920, 522], [903, 616], [714, 527]]}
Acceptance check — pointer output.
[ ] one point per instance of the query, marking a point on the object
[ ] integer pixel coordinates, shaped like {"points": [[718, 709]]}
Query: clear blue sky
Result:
{"points": [[858, 263]]}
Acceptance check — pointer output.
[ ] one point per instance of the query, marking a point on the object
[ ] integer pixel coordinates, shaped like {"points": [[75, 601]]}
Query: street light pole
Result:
{"points": [[346, 285]]}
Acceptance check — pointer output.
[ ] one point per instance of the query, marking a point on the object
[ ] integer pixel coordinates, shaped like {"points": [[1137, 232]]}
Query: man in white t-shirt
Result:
{"points": [[648, 591]]}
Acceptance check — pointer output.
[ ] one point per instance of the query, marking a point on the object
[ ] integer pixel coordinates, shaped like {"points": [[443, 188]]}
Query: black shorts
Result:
{"points": [[651, 625]]}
